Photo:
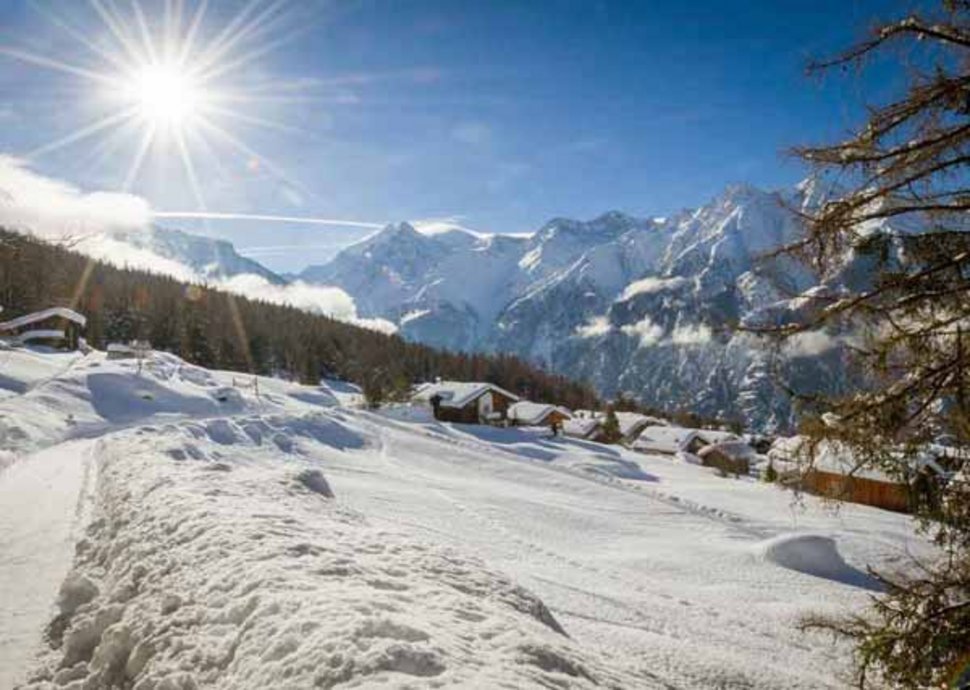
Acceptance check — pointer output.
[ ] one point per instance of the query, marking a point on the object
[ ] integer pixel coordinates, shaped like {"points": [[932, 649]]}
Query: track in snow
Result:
{"points": [[44, 502]]}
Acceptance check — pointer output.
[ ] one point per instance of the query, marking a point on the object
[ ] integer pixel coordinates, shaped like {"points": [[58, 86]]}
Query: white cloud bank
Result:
{"points": [[810, 344], [53, 209], [124, 255], [319, 299], [33, 204]]}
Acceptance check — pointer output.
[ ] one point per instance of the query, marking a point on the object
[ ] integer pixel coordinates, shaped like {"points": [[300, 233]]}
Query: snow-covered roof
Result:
{"points": [[120, 347], [839, 459], [587, 414], [733, 449], [580, 427], [27, 319], [632, 422], [716, 436], [666, 439], [532, 413], [457, 394]]}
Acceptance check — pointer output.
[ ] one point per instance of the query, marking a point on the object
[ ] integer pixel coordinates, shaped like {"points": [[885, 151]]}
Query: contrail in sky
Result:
{"points": [[207, 215]]}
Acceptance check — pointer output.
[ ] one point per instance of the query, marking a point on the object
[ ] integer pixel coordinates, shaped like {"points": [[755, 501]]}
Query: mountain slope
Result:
{"points": [[174, 252], [645, 306]]}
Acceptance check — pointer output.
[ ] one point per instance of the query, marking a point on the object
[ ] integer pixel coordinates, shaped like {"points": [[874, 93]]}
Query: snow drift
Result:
{"points": [[813, 554]]}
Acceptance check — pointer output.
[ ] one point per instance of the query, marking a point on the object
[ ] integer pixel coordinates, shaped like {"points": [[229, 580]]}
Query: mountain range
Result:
{"points": [[647, 307], [641, 306]]}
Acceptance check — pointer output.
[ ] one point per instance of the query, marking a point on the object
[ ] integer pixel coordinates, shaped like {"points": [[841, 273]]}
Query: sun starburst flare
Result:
{"points": [[166, 84]]}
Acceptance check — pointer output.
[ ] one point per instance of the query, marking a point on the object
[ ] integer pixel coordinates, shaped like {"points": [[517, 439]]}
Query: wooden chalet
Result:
{"points": [[586, 428], [527, 413], [835, 474], [466, 402], [57, 327], [632, 425], [731, 457], [669, 440]]}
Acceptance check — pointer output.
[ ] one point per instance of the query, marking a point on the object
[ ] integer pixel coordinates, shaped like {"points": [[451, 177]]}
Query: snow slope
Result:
{"points": [[449, 555]]}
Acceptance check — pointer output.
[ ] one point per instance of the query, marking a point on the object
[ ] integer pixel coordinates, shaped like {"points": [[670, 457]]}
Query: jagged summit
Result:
{"points": [[643, 305], [176, 252]]}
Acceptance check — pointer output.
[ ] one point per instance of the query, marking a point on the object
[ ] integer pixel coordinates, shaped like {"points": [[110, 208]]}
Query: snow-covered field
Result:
{"points": [[168, 530]]}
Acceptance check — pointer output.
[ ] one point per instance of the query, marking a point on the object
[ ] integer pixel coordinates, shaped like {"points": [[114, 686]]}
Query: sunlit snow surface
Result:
{"points": [[206, 553]]}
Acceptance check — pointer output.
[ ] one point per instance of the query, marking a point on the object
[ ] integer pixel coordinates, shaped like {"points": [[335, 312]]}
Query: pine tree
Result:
{"points": [[611, 426]]}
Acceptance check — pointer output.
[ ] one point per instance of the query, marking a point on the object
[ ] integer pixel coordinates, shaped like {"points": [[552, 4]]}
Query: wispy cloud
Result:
{"points": [[810, 344], [595, 327], [645, 330], [437, 225], [299, 220], [650, 285], [698, 334]]}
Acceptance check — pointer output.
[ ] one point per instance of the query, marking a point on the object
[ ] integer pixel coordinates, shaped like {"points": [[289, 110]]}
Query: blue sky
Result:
{"points": [[500, 114]]}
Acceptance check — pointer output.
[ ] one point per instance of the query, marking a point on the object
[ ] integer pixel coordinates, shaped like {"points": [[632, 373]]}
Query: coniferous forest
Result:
{"points": [[219, 330]]}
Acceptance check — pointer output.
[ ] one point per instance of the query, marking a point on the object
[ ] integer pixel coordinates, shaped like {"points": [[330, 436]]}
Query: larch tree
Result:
{"points": [[900, 208]]}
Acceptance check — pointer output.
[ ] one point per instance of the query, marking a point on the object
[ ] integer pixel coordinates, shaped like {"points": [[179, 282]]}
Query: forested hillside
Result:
{"points": [[218, 330]]}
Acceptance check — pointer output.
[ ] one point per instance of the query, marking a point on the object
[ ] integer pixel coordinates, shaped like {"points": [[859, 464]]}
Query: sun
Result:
{"points": [[169, 85], [164, 95]]}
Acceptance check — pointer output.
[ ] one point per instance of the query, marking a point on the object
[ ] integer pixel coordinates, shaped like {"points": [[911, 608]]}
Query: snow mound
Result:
{"points": [[813, 554]]}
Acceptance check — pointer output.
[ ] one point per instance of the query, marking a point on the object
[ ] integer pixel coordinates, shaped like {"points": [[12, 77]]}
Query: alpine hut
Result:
{"points": [[465, 402], [57, 326]]}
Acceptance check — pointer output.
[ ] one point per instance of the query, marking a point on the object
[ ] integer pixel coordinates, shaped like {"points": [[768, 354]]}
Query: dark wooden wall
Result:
{"points": [[870, 492]]}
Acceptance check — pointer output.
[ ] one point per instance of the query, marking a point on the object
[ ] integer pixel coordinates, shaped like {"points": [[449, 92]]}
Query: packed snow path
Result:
{"points": [[44, 501]]}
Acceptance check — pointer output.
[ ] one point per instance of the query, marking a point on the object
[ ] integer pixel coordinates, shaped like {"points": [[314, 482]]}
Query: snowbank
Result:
{"points": [[224, 569]]}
